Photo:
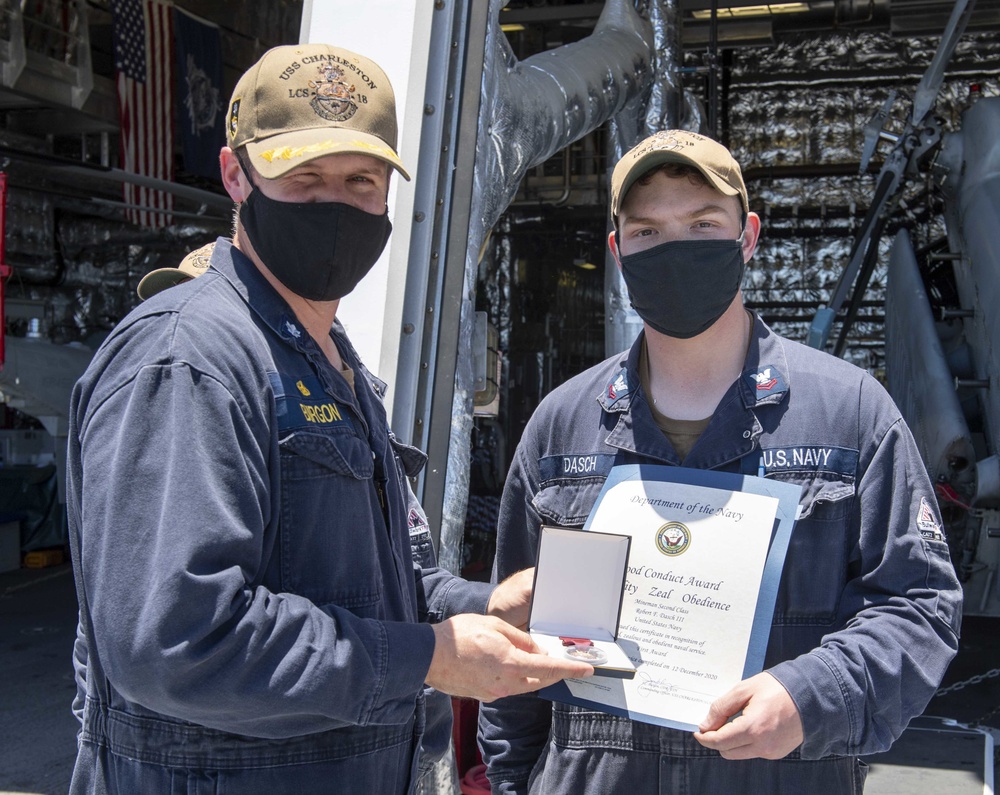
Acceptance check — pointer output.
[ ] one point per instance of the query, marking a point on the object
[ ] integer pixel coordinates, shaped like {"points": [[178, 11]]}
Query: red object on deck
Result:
{"points": [[463, 734], [5, 269]]}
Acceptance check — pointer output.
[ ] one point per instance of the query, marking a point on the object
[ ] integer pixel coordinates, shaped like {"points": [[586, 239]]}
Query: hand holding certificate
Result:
{"points": [[702, 577]]}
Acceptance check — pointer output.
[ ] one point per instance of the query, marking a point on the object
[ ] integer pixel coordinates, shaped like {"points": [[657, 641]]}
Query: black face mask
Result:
{"points": [[682, 287], [318, 250]]}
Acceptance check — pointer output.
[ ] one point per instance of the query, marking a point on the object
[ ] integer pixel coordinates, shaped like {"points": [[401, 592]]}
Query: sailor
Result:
{"points": [[868, 608]]}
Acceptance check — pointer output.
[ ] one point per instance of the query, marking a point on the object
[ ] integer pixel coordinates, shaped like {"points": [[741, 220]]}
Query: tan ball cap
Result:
{"points": [[191, 267], [304, 101], [678, 146]]}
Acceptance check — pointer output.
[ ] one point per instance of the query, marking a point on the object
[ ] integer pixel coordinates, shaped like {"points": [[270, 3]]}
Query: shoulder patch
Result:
{"points": [[927, 523], [416, 523]]}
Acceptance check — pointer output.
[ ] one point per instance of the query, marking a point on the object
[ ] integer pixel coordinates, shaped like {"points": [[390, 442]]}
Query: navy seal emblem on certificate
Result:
{"points": [[673, 538]]}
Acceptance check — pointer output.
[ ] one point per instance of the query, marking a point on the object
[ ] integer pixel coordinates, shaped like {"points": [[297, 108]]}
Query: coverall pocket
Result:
{"points": [[328, 520], [816, 567], [411, 459], [567, 503]]}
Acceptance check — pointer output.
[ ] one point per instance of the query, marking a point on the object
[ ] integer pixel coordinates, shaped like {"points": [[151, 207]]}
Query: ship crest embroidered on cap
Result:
{"points": [[333, 99], [662, 141]]}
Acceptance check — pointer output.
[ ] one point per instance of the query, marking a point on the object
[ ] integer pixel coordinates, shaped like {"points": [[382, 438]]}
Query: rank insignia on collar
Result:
{"points": [[766, 380], [617, 388]]}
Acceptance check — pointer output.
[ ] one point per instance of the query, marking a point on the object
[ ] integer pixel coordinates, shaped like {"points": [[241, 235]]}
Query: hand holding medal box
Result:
{"points": [[704, 563], [577, 597]]}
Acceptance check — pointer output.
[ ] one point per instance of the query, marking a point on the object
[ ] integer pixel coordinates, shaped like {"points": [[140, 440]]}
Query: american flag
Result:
{"points": [[143, 33]]}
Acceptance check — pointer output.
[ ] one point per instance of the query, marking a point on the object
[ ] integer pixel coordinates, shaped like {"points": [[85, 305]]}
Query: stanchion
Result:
{"points": [[5, 269]]}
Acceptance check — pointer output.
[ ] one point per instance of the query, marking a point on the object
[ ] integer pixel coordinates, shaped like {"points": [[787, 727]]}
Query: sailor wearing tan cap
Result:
{"points": [[251, 616], [868, 609], [193, 265]]}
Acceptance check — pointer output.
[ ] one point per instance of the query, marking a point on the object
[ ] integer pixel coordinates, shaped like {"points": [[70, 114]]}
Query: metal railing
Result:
{"points": [[45, 53]]}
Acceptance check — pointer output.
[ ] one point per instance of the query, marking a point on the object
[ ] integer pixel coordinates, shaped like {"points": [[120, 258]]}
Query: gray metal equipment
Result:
{"points": [[969, 326], [37, 379], [911, 150], [942, 313]]}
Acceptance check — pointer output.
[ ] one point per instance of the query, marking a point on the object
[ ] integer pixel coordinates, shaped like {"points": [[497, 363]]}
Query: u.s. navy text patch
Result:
{"points": [[810, 458]]}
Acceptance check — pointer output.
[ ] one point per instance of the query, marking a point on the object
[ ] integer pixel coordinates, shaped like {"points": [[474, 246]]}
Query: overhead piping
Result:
{"points": [[528, 111]]}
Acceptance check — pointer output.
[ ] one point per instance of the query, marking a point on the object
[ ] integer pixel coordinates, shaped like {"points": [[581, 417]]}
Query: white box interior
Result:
{"points": [[578, 583]]}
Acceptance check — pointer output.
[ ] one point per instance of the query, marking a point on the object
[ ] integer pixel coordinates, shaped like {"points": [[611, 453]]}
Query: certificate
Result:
{"points": [[703, 571]]}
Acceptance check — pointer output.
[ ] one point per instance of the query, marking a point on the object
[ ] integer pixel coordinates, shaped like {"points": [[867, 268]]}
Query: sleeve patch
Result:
{"points": [[927, 523]]}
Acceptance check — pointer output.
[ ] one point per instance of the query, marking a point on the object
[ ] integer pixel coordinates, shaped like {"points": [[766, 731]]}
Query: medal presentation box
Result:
{"points": [[577, 598]]}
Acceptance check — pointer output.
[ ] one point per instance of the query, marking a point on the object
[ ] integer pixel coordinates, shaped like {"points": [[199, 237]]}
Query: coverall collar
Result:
{"points": [[734, 428]]}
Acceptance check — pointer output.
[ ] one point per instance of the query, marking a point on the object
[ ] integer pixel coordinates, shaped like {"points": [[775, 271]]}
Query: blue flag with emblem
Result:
{"points": [[200, 102]]}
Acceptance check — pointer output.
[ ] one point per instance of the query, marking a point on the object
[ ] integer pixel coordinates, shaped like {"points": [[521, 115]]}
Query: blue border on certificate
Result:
{"points": [[787, 495]]}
